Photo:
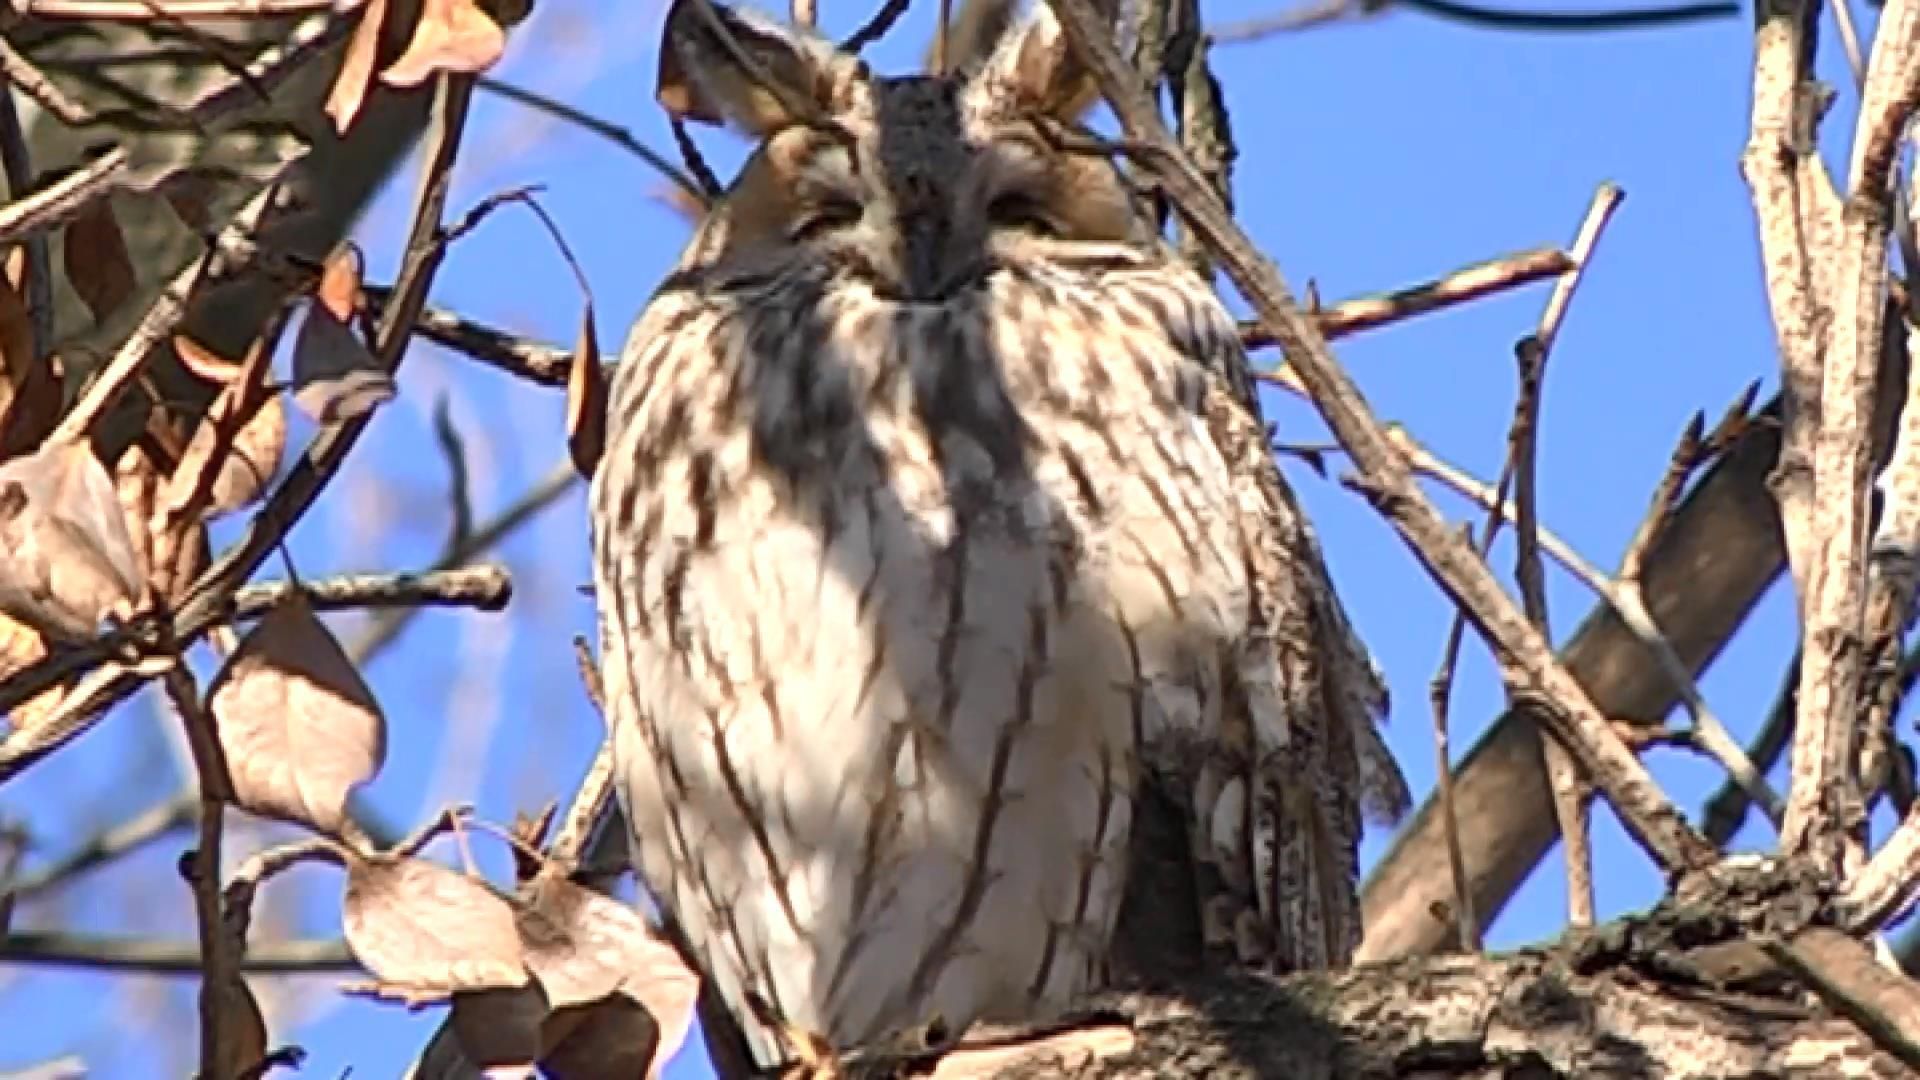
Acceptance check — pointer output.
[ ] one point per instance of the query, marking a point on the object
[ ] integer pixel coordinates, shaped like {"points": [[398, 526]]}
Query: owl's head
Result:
{"points": [[918, 185]]}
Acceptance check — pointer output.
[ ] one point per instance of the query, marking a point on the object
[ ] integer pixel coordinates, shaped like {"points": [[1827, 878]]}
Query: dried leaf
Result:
{"points": [[339, 289], [299, 727], [70, 561], [452, 35], [29, 393], [498, 1028], [586, 401], [425, 927], [335, 376], [356, 70], [204, 362], [190, 192], [251, 456], [136, 481], [21, 646], [610, 1039], [584, 946], [240, 438], [97, 263]]}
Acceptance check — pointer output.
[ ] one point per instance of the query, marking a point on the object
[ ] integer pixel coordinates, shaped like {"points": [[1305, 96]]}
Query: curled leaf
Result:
{"points": [[613, 1036], [204, 362], [29, 389], [136, 481], [452, 35], [356, 69], [96, 259], [586, 401], [299, 728], [422, 926], [585, 946], [498, 1028], [70, 561], [335, 376], [242, 461]]}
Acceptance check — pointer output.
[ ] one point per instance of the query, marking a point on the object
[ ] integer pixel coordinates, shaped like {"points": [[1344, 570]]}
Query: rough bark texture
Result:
{"points": [[1684, 991]]}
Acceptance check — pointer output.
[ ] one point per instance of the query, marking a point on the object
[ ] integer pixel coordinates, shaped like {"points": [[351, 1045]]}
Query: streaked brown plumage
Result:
{"points": [[964, 649]]}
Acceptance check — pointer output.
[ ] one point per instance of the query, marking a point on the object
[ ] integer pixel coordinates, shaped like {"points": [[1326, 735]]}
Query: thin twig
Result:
{"points": [[1466, 920], [613, 133], [876, 27], [1316, 12], [387, 628], [697, 166], [538, 362], [169, 957], [34, 83], [1710, 735], [219, 958], [34, 211], [486, 587], [131, 835], [1571, 792], [595, 794], [1726, 811], [1457, 287], [143, 10]]}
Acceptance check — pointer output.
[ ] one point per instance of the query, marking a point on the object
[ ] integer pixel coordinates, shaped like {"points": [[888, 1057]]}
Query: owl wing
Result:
{"points": [[1283, 821]]}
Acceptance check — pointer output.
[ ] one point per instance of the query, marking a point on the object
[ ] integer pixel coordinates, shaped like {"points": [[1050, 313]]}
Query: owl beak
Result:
{"points": [[928, 258]]}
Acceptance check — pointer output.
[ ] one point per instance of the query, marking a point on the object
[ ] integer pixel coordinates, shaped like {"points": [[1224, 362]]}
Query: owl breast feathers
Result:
{"points": [[964, 650]]}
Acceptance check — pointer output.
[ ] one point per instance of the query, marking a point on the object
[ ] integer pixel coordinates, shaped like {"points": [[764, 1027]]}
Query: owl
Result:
{"points": [[964, 650]]}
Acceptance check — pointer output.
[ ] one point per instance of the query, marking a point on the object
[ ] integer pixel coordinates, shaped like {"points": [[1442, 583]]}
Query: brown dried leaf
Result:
{"points": [[251, 456], [452, 35], [356, 70], [498, 1028], [29, 393], [97, 263], [584, 946], [586, 401], [610, 1039], [299, 727], [335, 376], [136, 480], [21, 646], [205, 363], [425, 927], [339, 289], [70, 562]]}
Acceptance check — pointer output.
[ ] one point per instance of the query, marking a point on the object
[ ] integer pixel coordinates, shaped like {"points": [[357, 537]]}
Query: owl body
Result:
{"points": [[923, 544]]}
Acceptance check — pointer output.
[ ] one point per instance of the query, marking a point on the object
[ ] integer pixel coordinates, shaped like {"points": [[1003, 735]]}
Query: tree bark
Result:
{"points": [[1685, 991]]}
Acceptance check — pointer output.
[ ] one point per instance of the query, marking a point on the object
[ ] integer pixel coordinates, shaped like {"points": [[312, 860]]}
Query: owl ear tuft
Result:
{"points": [[721, 65], [1034, 69]]}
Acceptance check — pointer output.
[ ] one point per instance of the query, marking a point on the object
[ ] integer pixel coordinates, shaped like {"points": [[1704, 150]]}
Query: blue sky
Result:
{"points": [[1373, 155]]}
